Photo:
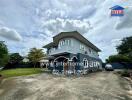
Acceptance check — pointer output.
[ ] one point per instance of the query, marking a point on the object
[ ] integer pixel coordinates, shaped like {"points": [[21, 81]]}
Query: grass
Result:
{"points": [[19, 72]]}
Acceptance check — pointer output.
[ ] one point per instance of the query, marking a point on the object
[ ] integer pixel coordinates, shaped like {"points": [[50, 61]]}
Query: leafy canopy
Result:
{"points": [[3, 54], [126, 46], [118, 58], [35, 55], [15, 57], [124, 51]]}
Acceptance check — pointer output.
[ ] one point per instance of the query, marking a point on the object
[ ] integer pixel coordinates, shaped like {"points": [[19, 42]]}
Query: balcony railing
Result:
{"points": [[60, 50], [69, 50]]}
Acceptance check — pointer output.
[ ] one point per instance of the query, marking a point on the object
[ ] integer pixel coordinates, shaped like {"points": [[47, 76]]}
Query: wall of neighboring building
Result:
{"points": [[74, 46]]}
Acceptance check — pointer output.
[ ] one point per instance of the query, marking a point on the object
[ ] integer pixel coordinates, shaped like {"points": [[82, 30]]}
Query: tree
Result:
{"points": [[15, 58], [118, 58], [3, 54], [35, 55], [124, 51], [126, 46]]}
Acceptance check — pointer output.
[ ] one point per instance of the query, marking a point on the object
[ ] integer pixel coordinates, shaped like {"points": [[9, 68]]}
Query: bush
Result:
{"points": [[119, 58], [126, 73]]}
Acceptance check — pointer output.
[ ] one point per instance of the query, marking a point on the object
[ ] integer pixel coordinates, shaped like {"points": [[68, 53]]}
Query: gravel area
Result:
{"points": [[95, 86]]}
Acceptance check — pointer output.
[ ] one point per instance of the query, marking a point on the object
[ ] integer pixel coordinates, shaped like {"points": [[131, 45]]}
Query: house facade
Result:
{"points": [[73, 52]]}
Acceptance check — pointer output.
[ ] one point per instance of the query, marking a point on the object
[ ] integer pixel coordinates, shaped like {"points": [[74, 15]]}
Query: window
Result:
{"points": [[64, 42], [69, 42], [60, 43], [95, 53], [82, 47], [85, 63], [90, 50], [49, 51], [54, 49]]}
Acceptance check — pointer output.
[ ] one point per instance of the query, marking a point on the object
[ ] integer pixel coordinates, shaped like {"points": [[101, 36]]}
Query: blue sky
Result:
{"points": [[32, 23]]}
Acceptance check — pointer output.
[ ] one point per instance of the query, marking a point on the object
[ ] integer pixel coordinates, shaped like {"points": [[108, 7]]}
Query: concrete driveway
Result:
{"points": [[95, 86]]}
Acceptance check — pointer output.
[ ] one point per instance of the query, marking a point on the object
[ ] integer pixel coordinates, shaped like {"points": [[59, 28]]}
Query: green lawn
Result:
{"points": [[20, 72]]}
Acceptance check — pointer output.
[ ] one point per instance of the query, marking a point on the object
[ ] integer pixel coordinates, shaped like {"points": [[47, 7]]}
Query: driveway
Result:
{"points": [[95, 86]]}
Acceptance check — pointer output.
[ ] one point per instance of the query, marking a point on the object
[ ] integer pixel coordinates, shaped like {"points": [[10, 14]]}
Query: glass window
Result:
{"points": [[63, 42], [60, 43], [49, 50], [90, 50], [86, 52], [54, 49], [66, 43], [69, 42], [82, 47], [85, 63]]}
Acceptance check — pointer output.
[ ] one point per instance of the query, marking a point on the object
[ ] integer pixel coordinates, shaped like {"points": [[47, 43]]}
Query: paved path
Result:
{"points": [[95, 86]]}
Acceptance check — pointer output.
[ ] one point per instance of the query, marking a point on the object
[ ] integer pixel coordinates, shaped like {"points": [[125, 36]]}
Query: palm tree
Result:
{"points": [[35, 55]]}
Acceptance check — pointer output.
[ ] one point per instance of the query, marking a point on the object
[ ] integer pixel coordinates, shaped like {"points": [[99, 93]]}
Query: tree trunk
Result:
{"points": [[34, 65]]}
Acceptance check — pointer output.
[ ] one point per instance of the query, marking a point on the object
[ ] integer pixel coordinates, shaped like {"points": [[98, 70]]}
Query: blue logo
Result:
{"points": [[117, 11]]}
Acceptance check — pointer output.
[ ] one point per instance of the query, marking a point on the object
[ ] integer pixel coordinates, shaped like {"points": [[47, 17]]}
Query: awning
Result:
{"points": [[44, 60]]}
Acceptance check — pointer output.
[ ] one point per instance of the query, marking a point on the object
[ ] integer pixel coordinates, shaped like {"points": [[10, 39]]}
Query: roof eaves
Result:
{"points": [[48, 45], [117, 7]]}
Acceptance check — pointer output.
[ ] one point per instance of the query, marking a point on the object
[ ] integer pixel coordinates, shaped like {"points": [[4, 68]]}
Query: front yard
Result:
{"points": [[19, 72], [96, 86]]}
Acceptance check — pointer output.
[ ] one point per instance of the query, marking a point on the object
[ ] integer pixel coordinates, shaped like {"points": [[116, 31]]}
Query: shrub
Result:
{"points": [[118, 58], [126, 73]]}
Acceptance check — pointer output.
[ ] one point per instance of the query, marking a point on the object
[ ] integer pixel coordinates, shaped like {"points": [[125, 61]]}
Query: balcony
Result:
{"points": [[70, 49], [60, 50]]}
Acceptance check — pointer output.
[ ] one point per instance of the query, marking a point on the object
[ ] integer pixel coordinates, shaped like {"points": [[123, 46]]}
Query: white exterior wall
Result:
{"points": [[78, 50], [73, 47]]}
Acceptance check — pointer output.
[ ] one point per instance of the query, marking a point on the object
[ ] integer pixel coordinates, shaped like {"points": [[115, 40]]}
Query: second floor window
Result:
{"points": [[49, 51], [90, 51], [64, 42], [82, 47]]}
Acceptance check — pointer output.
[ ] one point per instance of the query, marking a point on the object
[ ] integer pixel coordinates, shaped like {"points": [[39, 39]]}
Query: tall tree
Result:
{"points": [[3, 54], [124, 51], [126, 46], [35, 55], [15, 58]]}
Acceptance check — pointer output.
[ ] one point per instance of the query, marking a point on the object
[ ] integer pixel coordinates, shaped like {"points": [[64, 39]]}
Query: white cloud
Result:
{"points": [[58, 25], [104, 34], [43, 19], [10, 34], [126, 21]]}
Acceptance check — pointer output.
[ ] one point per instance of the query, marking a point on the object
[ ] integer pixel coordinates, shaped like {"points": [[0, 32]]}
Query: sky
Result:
{"points": [[25, 24]]}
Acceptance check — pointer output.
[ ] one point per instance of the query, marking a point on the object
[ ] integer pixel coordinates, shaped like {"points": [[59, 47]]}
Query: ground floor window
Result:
{"points": [[85, 63]]}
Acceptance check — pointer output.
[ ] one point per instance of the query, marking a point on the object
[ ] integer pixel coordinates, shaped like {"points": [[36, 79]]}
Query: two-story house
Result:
{"points": [[73, 47]]}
